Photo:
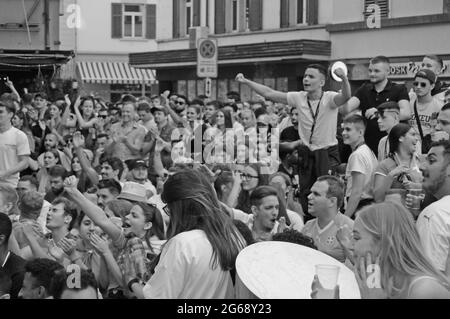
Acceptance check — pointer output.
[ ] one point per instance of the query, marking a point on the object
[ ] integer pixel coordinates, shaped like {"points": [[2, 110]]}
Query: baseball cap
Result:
{"points": [[133, 192], [132, 164], [426, 74]]}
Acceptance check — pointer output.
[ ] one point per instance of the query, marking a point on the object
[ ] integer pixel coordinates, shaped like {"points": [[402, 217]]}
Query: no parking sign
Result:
{"points": [[207, 56]]}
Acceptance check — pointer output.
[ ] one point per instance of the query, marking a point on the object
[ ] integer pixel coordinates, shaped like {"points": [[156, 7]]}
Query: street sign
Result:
{"points": [[208, 87], [207, 56]]}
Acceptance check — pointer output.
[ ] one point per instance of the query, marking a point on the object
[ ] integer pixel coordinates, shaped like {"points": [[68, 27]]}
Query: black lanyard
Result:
{"points": [[314, 116]]}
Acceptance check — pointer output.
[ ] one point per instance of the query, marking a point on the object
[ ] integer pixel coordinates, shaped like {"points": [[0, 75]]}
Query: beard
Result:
{"points": [[437, 184]]}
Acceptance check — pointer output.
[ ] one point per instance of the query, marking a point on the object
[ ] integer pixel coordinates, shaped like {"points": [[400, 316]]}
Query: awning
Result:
{"points": [[33, 59], [114, 73]]}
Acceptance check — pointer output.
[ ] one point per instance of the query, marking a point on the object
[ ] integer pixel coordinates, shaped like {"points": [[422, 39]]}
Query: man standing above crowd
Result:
{"points": [[317, 116], [369, 96], [361, 165], [14, 147]]}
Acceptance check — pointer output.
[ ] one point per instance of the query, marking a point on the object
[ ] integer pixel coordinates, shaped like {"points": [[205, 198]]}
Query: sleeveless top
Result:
{"points": [[413, 282]]}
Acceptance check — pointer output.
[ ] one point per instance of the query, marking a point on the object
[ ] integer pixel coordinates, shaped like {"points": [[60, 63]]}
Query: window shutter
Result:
{"points": [[384, 6], [255, 11], [176, 19], [116, 20], [312, 12], [197, 13], [220, 16], [284, 13], [150, 21]]}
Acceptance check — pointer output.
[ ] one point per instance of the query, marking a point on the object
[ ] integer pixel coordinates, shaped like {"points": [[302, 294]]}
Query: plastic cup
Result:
{"points": [[416, 196], [328, 275]]}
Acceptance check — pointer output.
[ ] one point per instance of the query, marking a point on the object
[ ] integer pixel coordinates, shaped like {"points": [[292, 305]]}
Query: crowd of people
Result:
{"points": [[156, 197]]}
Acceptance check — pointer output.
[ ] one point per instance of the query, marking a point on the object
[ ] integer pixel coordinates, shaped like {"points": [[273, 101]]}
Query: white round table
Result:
{"points": [[281, 270]]}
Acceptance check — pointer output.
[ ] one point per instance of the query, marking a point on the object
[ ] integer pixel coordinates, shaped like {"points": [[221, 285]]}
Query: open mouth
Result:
{"points": [[126, 224]]}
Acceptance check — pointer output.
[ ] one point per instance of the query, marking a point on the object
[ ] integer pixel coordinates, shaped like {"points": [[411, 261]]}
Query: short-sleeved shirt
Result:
{"points": [[134, 132], [13, 143], [363, 161], [433, 226], [370, 98], [388, 165], [325, 238], [428, 114], [324, 135], [184, 271]]}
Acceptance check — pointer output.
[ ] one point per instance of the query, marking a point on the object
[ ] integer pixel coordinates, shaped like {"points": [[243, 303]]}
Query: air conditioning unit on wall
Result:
{"points": [[196, 33]]}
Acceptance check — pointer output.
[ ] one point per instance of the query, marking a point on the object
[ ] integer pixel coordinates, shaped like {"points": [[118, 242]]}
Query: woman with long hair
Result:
{"points": [[397, 173], [386, 232], [252, 177], [87, 120], [202, 246], [386, 244], [51, 159], [84, 183]]}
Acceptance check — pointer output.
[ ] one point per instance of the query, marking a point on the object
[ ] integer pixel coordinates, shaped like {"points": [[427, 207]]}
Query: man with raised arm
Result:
{"points": [[317, 123]]}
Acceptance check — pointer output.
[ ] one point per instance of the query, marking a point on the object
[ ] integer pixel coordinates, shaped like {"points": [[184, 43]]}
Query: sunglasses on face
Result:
{"points": [[103, 116], [248, 176], [421, 84], [179, 102]]}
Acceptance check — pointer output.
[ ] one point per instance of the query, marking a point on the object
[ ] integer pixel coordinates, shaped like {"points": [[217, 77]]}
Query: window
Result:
{"points": [[133, 18], [189, 15], [383, 4], [235, 15], [133, 21], [186, 14], [301, 11], [240, 13]]}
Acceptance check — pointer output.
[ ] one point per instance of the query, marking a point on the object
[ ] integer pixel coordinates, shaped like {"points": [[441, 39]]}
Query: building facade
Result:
{"points": [[272, 41], [30, 50], [102, 33]]}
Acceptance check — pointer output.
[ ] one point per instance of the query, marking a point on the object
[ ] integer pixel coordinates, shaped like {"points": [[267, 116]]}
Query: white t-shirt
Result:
{"points": [[13, 143], [325, 238], [363, 161], [324, 134], [427, 113], [433, 226], [184, 271]]}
